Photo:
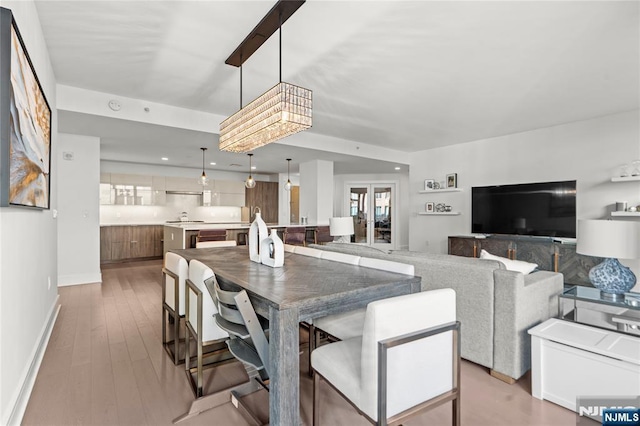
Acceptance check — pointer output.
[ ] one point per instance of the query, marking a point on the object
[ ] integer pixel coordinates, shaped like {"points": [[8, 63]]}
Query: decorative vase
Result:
{"points": [[612, 278], [272, 250], [257, 232]]}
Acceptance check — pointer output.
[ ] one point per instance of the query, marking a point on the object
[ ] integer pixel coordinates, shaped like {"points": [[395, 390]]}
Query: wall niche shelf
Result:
{"points": [[432, 191], [439, 213], [626, 214], [626, 179]]}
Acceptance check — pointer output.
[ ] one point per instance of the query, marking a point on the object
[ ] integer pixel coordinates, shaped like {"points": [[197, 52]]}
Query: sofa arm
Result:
{"points": [[521, 302]]}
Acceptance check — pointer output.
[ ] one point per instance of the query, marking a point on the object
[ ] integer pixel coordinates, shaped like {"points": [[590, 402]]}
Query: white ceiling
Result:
{"points": [[403, 75]]}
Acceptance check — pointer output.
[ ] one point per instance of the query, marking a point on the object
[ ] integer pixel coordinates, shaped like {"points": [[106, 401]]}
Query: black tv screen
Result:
{"points": [[537, 209]]}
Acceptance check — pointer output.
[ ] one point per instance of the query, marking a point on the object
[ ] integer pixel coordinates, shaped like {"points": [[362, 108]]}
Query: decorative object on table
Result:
{"points": [[429, 207], [633, 209], [611, 239], [25, 125], [203, 180], [452, 180], [621, 206], [436, 185], [341, 228], [272, 250], [288, 185], [281, 111], [440, 207], [428, 184], [250, 182], [443, 184], [257, 232]]}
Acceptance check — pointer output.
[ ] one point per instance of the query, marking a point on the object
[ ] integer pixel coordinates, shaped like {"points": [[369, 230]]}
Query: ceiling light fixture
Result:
{"points": [[287, 186], [204, 180], [281, 111], [164, 159], [250, 182]]}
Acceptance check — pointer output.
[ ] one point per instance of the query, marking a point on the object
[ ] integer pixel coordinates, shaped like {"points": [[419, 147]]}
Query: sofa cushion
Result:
{"points": [[511, 265], [350, 248]]}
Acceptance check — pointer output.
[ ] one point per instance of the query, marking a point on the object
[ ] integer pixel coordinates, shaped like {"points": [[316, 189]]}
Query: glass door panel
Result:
{"points": [[371, 207]]}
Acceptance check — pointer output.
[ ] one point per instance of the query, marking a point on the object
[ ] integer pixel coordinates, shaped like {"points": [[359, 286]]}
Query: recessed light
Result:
{"points": [[164, 159], [397, 168], [213, 164], [253, 167]]}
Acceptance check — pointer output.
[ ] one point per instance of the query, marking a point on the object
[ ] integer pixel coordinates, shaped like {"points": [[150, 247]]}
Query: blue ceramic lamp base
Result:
{"points": [[612, 278]]}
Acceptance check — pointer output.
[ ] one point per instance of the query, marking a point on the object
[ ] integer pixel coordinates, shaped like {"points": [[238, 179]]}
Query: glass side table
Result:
{"points": [[587, 305]]}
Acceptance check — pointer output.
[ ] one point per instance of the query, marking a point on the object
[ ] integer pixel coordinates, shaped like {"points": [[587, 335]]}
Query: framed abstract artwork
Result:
{"points": [[25, 124]]}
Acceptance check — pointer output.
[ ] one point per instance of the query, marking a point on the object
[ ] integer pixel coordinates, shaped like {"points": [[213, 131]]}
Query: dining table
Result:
{"points": [[304, 288]]}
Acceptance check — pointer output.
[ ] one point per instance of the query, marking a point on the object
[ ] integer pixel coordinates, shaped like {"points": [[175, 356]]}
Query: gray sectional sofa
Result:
{"points": [[495, 306]]}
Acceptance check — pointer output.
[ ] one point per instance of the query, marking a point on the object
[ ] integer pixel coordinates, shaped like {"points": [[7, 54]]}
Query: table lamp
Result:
{"points": [[342, 228], [611, 239]]}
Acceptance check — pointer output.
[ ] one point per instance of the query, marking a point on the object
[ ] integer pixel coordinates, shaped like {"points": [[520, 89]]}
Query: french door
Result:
{"points": [[372, 206]]}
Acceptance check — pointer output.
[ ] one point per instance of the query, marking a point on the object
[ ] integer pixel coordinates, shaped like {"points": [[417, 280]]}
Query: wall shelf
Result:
{"points": [[439, 213], [626, 214], [626, 179], [432, 191]]}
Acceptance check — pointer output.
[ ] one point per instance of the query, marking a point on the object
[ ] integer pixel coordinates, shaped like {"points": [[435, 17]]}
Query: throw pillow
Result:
{"points": [[511, 265]]}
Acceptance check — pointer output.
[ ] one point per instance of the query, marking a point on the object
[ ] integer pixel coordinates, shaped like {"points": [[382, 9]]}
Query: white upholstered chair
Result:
{"points": [[421, 371], [174, 274], [226, 243], [350, 324], [200, 323]]}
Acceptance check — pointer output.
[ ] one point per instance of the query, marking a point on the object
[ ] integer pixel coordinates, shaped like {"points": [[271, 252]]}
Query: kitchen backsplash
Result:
{"points": [[114, 214]]}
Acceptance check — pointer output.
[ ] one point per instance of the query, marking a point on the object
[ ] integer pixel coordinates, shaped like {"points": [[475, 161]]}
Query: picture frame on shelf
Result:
{"points": [[429, 207], [428, 184], [452, 180]]}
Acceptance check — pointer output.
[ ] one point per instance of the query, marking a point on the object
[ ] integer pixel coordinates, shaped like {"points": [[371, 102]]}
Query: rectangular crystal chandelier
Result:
{"points": [[281, 111]]}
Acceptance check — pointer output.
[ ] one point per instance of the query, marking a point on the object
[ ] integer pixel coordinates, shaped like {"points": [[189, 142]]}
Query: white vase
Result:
{"points": [[272, 250], [257, 232]]}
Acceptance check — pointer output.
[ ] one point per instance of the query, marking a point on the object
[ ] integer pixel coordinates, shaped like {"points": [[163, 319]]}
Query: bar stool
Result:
{"points": [[174, 274]]}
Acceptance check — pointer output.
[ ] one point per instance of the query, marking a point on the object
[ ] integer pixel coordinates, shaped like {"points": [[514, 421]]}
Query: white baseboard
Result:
{"points": [[78, 279], [29, 379]]}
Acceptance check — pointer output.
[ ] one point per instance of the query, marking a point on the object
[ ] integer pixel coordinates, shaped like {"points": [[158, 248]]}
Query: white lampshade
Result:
{"points": [[340, 226], [609, 238]]}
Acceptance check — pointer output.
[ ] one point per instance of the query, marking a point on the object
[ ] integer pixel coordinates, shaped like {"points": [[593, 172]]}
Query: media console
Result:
{"points": [[550, 255]]}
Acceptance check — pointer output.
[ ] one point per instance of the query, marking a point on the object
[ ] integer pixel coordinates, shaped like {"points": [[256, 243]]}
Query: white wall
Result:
{"points": [[78, 211], [588, 151], [28, 243], [316, 191], [402, 194], [284, 198]]}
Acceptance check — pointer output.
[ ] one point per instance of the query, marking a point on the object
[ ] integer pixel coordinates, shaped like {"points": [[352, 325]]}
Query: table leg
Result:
{"points": [[284, 358]]}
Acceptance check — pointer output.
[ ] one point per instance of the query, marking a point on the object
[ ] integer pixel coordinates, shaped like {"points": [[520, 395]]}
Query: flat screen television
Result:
{"points": [[537, 209]]}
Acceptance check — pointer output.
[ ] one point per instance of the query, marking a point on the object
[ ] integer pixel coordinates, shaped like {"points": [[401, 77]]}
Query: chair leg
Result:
{"points": [[312, 345], [176, 339], [316, 399], [456, 411], [199, 373]]}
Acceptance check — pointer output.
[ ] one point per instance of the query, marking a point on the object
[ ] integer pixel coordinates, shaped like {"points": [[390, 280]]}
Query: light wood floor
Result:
{"points": [[105, 365]]}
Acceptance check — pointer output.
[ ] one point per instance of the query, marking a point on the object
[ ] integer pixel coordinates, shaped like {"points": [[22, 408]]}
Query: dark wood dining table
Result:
{"points": [[304, 288]]}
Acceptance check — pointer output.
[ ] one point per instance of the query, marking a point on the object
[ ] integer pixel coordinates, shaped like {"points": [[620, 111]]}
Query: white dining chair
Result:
{"points": [[347, 325], [200, 324], [174, 274], [225, 243], [406, 361]]}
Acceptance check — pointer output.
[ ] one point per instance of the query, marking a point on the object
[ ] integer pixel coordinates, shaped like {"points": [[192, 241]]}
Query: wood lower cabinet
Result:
{"points": [[119, 243], [549, 255]]}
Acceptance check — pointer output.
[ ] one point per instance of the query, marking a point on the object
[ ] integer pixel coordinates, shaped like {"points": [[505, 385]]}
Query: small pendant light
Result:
{"points": [[204, 180], [250, 182], [287, 186]]}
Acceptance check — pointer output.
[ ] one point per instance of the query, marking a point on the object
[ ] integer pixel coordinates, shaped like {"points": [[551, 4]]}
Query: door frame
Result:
{"points": [[395, 185]]}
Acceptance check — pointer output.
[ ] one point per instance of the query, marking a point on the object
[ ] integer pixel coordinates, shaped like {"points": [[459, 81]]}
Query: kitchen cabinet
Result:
{"points": [[126, 242], [265, 196], [180, 184]]}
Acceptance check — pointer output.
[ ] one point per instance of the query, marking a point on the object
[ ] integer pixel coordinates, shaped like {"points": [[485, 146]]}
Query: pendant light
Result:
{"points": [[287, 186], [250, 182], [204, 180]]}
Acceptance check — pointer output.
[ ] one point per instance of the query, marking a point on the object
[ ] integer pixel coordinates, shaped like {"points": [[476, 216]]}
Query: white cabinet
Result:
{"points": [[158, 188], [183, 184], [227, 193]]}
